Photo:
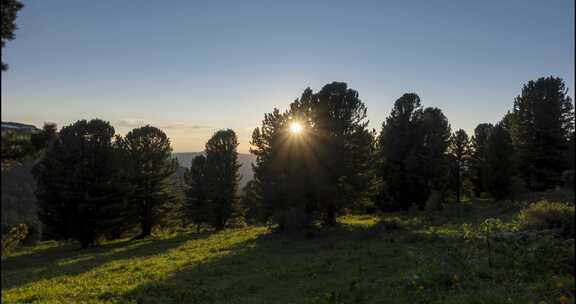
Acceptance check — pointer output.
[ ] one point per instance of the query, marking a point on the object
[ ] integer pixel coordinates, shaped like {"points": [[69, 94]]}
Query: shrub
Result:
{"points": [[546, 215], [34, 233], [14, 237]]}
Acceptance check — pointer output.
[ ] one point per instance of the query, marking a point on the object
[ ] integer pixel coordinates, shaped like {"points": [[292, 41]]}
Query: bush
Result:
{"points": [[14, 237], [546, 215], [34, 233]]}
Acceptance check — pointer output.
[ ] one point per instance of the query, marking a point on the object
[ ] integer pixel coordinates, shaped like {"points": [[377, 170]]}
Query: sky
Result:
{"points": [[194, 67]]}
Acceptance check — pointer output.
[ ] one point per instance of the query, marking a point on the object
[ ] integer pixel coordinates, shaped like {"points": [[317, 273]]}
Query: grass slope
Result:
{"points": [[393, 258]]}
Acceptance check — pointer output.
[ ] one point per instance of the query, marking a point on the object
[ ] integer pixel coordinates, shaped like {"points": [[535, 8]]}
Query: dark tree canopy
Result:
{"points": [[222, 175], [81, 191], [543, 119], [10, 10], [500, 163], [460, 153], [149, 167], [320, 172], [478, 157], [412, 150], [197, 203]]}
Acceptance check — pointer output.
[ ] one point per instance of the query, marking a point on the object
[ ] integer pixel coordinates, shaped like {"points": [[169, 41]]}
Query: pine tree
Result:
{"points": [[544, 117], [320, 172], [197, 203], [269, 144], [343, 147], [80, 190], [460, 153], [500, 167], [412, 151], [222, 175], [150, 167], [478, 157]]}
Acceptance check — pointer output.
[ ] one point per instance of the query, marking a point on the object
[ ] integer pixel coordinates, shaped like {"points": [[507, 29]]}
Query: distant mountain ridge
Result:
{"points": [[245, 161], [18, 127]]}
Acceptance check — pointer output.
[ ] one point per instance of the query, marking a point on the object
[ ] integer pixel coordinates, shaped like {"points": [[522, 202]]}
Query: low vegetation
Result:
{"points": [[483, 256]]}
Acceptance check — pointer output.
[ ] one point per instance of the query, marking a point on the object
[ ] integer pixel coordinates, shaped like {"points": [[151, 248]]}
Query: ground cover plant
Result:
{"points": [[483, 256]]}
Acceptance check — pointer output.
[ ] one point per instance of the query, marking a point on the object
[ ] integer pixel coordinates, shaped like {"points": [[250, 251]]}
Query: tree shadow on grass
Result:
{"points": [[68, 260], [342, 262]]}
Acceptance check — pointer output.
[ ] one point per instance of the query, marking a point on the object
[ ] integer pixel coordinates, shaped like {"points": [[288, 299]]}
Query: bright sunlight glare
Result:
{"points": [[295, 128]]}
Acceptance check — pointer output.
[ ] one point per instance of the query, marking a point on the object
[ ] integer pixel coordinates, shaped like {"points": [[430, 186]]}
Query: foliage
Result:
{"points": [[568, 179], [499, 164], [412, 150], [197, 204], [17, 146], [251, 202], [80, 186], [459, 150], [10, 10], [15, 236], [543, 121], [222, 176], [149, 167], [412, 260], [545, 215], [478, 157], [324, 170]]}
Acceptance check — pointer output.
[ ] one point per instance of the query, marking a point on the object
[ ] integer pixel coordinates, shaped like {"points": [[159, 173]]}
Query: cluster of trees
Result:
{"points": [[93, 183], [338, 165], [212, 182], [319, 172], [18, 145]]}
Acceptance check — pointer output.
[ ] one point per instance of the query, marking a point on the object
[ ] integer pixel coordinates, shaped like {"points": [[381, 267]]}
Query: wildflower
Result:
{"points": [[455, 279], [563, 299]]}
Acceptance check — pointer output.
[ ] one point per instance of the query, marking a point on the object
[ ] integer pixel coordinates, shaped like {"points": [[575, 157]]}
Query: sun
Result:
{"points": [[295, 128]]}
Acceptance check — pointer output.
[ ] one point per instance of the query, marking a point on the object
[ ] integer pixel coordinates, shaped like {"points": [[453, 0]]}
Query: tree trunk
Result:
{"points": [[146, 223], [458, 185]]}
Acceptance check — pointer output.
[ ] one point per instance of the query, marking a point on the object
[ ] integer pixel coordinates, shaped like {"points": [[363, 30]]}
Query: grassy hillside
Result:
{"points": [[390, 258]]}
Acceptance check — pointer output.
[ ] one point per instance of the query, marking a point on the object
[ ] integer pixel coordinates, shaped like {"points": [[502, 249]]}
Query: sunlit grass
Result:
{"points": [[390, 258]]}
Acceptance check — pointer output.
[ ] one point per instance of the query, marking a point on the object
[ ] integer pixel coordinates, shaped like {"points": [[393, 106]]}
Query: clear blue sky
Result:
{"points": [[192, 67]]}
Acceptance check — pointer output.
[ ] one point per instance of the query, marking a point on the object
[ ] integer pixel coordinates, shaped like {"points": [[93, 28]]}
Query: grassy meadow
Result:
{"points": [[406, 257]]}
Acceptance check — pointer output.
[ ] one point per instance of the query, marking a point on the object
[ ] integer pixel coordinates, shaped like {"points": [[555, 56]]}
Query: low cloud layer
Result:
{"points": [[135, 122]]}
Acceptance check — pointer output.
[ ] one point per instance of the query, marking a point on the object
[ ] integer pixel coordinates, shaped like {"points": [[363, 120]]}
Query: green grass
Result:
{"points": [[390, 258]]}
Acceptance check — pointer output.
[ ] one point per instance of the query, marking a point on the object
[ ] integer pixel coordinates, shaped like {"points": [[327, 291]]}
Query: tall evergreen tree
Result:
{"points": [[80, 190], [321, 171], [500, 166], [460, 153], [149, 168], [269, 144], [412, 150], [544, 117], [478, 156], [10, 10], [197, 203], [222, 174], [342, 145]]}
